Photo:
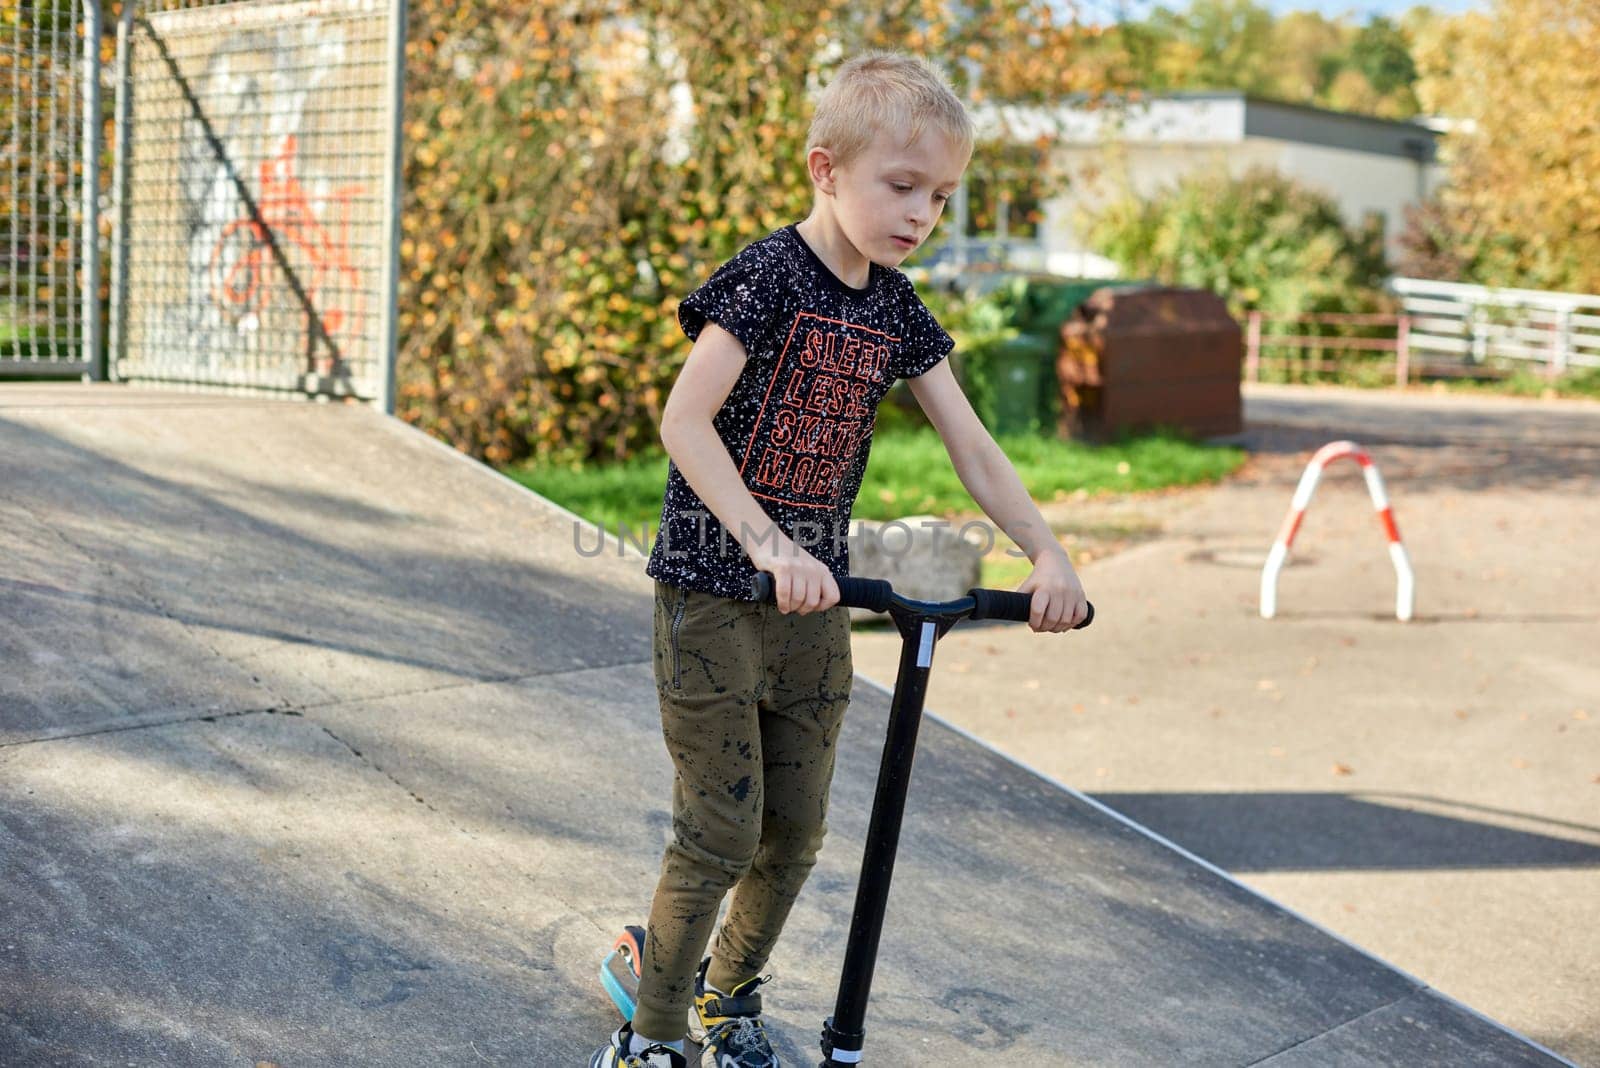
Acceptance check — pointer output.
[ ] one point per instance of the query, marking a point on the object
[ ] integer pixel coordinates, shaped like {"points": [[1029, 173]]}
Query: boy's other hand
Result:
{"points": [[1059, 603], [800, 582]]}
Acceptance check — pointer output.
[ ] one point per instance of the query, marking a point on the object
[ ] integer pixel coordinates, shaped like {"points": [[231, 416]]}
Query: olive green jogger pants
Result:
{"points": [[752, 701]]}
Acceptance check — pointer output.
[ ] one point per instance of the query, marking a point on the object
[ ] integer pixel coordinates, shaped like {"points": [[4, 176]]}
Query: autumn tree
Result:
{"points": [[1522, 207], [574, 170], [1301, 57]]}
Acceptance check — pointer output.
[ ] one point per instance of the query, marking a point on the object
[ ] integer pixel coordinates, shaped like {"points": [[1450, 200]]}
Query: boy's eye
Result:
{"points": [[901, 187], [942, 197]]}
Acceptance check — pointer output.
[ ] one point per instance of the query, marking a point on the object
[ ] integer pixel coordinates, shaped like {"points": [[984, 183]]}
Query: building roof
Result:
{"points": [[1207, 117]]}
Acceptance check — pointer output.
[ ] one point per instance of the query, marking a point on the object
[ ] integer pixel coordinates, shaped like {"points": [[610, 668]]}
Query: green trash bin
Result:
{"points": [[1047, 303], [1018, 391], [1028, 397], [1023, 369]]}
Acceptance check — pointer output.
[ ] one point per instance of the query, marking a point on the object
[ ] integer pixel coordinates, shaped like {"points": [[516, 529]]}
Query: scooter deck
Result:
{"points": [[619, 972]]}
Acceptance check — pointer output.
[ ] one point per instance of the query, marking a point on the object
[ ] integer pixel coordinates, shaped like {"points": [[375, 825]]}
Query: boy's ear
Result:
{"points": [[819, 162]]}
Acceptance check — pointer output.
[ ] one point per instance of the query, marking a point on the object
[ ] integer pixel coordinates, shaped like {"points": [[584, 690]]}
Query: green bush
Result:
{"points": [[1261, 241]]}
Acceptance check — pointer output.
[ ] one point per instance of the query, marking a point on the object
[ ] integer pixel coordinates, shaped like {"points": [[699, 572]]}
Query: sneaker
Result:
{"points": [[614, 1054], [728, 1026]]}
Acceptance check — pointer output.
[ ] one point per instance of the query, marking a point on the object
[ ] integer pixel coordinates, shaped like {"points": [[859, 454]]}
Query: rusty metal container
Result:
{"points": [[1136, 359]]}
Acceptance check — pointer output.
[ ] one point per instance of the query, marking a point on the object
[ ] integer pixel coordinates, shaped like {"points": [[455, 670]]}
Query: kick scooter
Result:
{"points": [[921, 625]]}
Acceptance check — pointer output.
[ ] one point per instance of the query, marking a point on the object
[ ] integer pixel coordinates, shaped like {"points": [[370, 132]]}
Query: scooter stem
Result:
{"points": [[844, 1033]]}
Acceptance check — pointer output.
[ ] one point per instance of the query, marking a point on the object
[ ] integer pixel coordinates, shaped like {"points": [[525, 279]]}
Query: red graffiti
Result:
{"points": [[244, 265]]}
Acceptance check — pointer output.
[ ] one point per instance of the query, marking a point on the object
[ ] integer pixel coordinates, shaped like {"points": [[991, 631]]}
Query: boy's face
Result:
{"points": [[889, 197]]}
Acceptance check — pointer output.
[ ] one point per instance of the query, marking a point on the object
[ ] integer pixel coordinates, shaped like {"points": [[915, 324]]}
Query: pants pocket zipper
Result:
{"points": [[677, 620]]}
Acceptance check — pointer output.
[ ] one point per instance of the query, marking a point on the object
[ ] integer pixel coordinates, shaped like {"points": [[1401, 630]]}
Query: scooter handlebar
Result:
{"points": [[872, 594], [876, 594], [1009, 604]]}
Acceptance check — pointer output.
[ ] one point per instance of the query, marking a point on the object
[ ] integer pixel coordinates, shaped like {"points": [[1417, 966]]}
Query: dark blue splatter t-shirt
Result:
{"points": [[798, 423]]}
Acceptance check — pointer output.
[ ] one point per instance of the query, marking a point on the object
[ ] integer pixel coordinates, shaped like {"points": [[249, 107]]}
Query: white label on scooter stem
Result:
{"points": [[925, 650]]}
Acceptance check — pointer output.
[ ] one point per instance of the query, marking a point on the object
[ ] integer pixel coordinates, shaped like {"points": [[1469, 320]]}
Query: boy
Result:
{"points": [[796, 340]]}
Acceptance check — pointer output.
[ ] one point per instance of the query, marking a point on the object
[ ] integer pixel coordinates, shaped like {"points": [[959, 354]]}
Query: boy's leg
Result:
{"points": [[810, 670], [709, 677]]}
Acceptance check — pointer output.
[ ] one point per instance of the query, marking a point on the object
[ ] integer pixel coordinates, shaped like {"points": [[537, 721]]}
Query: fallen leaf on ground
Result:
{"points": [[1343, 769]]}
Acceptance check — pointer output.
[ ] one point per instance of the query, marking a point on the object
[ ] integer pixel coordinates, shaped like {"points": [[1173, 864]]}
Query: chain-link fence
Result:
{"points": [[48, 184], [257, 195]]}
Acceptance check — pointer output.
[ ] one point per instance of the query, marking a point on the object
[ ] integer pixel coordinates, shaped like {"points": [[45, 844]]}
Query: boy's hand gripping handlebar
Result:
{"points": [[877, 595]]}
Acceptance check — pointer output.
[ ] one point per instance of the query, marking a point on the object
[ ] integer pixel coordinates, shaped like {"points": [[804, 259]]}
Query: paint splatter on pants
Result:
{"points": [[751, 705]]}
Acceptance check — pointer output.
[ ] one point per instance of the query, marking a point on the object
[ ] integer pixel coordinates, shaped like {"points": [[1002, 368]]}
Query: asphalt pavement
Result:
{"points": [[322, 745]]}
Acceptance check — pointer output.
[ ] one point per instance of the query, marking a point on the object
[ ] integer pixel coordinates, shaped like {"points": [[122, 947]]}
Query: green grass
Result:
{"points": [[1512, 382], [909, 473], [1525, 383], [608, 494]]}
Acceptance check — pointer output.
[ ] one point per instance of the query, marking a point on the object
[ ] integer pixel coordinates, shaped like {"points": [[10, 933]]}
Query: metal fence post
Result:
{"points": [[91, 192], [122, 107], [393, 201]]}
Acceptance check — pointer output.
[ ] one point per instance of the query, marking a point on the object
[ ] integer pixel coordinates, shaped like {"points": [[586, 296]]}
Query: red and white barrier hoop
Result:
{"points": [[1405, 595]]}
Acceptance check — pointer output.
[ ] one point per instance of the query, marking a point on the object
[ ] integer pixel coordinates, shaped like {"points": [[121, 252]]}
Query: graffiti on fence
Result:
{"points": [[245, 260], [251, 188]]}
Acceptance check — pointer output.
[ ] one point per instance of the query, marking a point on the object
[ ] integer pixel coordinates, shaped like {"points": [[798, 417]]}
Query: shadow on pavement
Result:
{"points": [[1259, 832]]}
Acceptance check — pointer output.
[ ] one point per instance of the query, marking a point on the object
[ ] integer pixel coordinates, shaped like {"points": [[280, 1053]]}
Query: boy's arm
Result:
{"points": [[986, 472], [800, 581]]}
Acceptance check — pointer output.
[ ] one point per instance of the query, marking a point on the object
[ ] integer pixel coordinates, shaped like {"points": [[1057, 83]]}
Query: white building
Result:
{"points": [[1368, 165]]}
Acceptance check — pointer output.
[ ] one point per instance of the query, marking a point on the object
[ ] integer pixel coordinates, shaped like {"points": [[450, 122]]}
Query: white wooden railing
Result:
{"points": [[1472, 324]]}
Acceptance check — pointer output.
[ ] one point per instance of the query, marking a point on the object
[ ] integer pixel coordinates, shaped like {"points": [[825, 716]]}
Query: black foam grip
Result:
{"points": [[872, 594], [1009, 604], [1000, 604]]}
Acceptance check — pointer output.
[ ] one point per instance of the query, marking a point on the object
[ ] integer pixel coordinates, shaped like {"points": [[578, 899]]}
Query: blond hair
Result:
{"points": [[877, 93]]}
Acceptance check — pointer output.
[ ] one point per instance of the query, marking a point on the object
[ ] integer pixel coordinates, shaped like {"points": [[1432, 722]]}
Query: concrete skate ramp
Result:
{"points": [[321, 745]]}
